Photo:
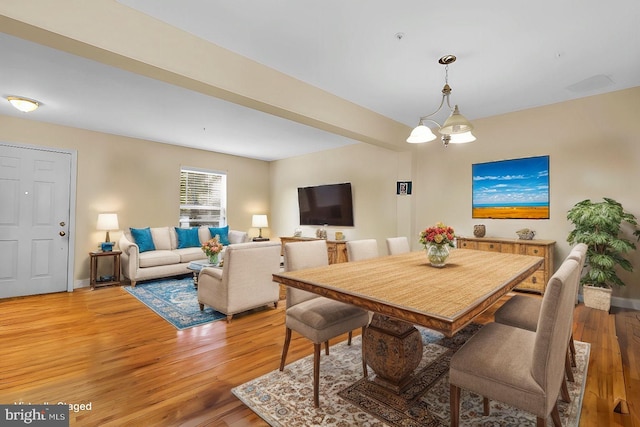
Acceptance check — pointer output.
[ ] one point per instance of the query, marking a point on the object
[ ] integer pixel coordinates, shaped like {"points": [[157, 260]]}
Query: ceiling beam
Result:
{"points": [[116, 35]]}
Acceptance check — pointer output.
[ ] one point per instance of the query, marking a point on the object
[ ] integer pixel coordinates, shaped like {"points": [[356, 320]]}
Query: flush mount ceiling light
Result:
{"points": [[456, 129], [25, 105]]}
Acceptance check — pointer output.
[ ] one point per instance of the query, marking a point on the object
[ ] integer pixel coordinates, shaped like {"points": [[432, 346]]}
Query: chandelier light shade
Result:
{"points": [[420, 134], [456, 129], [462, 138], [25, 105]]}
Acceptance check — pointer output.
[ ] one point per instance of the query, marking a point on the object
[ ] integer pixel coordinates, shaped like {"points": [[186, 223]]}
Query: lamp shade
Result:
{"points": [[456, 123], [107, 221], [421, 134], [259, 221]]}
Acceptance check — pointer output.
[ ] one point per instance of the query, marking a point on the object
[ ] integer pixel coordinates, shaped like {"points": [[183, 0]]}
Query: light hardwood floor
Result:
{"points": [[106, 349]]}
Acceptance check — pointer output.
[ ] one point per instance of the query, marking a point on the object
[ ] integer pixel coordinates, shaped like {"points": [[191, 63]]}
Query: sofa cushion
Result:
{"points": [[203, 234], [156, 258], [187, 237], [142, 238], [161, 238], [223, 232], [190, 254]]}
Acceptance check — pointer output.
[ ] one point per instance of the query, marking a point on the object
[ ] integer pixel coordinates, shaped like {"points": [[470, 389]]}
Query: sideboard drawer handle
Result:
{"points": [[490, 246], [534, 279], [535, 251]]}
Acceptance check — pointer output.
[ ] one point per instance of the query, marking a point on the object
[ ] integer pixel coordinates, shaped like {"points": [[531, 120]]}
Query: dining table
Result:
{"points": [[405, 290]]}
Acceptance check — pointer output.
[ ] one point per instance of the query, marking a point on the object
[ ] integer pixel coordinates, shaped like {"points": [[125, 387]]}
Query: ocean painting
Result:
{"points": [[515, 189]]}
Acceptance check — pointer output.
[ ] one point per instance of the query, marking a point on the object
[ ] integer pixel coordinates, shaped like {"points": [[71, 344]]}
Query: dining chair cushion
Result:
{"points": [[362, 249], [482, 366], [554, 326], [299, 256], [397, 245], [520, 311], [520, 367], [320, 319]]}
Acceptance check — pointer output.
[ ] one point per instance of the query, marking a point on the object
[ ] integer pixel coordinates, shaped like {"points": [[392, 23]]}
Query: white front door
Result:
{"points": [[34, 220]]}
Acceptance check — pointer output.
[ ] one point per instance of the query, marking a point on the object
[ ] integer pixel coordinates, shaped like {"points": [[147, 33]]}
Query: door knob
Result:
{"points": [[62, 224], [62, 233]]}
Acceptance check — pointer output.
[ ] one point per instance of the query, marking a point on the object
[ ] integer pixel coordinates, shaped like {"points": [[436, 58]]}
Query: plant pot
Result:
{"points": [[598, 298]]}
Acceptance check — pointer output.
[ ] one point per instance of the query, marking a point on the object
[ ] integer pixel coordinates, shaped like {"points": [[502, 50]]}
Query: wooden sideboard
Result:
{"points": [[537, 282], [336, 249]]}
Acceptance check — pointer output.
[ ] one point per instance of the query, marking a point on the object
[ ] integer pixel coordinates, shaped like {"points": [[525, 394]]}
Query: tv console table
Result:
{"points": [[336, 249]]}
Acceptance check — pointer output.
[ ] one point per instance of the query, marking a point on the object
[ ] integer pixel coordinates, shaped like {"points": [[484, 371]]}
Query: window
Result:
{"points": [[203, 198]]}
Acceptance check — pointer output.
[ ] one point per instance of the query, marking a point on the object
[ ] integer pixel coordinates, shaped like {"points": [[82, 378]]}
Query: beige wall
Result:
{"points": [[372, 172], [139, 180], [594, 150], [592, 143]]}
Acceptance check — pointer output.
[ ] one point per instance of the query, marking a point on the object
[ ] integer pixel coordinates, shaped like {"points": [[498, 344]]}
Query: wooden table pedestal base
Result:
{"points": [[393, 349]]}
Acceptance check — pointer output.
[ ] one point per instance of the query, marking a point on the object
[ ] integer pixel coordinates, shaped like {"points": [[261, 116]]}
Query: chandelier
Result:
{"points": [[456, 129]]}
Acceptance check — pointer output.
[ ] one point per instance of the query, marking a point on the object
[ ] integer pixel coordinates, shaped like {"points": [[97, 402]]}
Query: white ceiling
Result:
{"points": [[511, 56]]}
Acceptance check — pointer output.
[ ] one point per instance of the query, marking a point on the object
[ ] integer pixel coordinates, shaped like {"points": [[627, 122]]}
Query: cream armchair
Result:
{"points": [[244, 282]]}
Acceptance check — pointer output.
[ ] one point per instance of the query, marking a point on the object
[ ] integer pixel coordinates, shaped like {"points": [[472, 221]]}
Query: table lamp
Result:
{"points": [[259, 221], [107, 222]]}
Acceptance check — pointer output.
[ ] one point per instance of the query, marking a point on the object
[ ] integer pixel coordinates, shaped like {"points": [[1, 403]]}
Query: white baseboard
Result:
{"points": [[633, 304], [84, 283]]}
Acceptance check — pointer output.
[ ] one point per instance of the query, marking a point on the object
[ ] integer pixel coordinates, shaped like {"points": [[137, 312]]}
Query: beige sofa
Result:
{"points": [[167, 259], [244, 282]]}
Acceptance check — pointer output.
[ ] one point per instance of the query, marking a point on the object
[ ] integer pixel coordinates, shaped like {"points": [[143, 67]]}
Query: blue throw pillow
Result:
{"points": [[142, 237], [187, 237], [223, 232]]}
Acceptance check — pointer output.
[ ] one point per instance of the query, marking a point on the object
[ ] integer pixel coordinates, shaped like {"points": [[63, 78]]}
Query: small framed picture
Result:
{"points": [[403, 188]]}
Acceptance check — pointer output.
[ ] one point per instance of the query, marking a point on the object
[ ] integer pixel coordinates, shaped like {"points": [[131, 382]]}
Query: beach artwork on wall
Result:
{"points": [[515, 189]]}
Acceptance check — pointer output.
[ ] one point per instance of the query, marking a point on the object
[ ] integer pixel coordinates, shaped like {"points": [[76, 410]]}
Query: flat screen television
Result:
{"points": [[326, 204]]}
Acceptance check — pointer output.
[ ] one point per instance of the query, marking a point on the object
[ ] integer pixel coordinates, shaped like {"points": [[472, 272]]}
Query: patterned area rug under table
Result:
{"points": [[175, 300], [347, 399]]}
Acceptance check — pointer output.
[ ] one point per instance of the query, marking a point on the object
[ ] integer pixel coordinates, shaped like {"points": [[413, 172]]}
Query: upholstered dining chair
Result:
{"points": [[523, 311], [312, 316], [519, 367], [362, 249], [398, 245]]}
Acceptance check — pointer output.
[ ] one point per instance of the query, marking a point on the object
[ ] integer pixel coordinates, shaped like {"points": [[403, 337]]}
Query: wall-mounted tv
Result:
{"points": [[326, 204], [517, 189]]}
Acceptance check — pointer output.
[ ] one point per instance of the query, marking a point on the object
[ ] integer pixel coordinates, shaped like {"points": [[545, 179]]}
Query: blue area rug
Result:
{"points": [[175, 300]]}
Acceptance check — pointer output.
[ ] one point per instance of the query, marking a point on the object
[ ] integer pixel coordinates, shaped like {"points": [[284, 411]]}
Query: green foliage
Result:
{"points": [[599, 226]]}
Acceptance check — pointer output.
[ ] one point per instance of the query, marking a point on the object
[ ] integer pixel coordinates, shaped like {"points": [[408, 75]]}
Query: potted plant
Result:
{"points": [[598, 225]]}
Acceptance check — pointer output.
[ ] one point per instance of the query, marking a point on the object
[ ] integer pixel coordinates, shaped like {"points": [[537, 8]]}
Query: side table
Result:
{"points": [[93, 272]]}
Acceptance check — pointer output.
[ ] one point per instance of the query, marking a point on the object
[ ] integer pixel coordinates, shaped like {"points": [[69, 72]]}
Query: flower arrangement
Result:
{"points": [[212, 247], [439, 235]]}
